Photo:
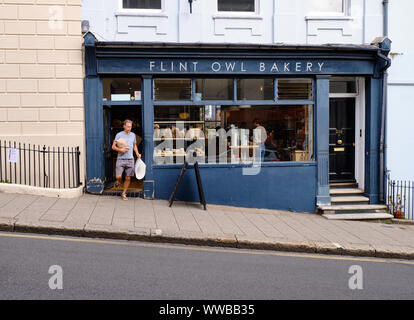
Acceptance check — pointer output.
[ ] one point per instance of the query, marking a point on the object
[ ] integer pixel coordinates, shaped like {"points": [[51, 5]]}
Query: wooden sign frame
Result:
{"points": [[199, 184]]}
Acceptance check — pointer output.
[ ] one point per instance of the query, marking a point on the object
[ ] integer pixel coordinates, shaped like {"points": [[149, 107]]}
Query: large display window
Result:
{"points": [[239, 129], [231, 134]]}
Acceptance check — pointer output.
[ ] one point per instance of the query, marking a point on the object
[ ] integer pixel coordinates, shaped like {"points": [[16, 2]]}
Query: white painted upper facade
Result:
{"points": [[271, 21]]}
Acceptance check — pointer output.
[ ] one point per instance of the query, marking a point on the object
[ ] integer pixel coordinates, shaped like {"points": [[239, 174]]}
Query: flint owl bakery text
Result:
{"points": [[236, 66]]}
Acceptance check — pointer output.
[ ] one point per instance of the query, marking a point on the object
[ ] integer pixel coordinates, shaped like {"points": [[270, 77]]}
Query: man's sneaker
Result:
{"points": [[124, 197]]}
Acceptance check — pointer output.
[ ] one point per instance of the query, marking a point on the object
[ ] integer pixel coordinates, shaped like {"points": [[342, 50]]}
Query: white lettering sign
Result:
{"points": [[237, 66], [216, 66]]}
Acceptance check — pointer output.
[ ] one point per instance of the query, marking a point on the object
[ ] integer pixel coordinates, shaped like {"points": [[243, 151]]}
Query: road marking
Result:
{"points": [[229, 250]]}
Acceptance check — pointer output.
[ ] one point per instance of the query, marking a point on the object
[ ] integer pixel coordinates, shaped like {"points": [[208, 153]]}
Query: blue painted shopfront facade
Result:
{"points": [[296, 186]]}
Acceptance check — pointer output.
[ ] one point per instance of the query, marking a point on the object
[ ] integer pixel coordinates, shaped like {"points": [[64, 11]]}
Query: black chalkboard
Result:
{"points": [[199, 185]]}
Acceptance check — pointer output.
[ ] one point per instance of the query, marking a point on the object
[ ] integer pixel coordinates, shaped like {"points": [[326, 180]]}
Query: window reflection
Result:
{"points": [[343, 85], [236, 5], [214, 89], [327, 6], [255, 89], [141, 4], [172, 89], [121, 89], [295, 89]]}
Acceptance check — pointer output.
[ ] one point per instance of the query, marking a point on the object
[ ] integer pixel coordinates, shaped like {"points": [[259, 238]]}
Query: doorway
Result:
{"points": [[114, 117], [342, 139]]}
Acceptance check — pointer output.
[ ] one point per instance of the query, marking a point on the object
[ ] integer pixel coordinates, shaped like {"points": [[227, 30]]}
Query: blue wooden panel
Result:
{"points": [[90, 55], [373, 107], [94, 134], [291, 187], [322, 138], [148, 134]]}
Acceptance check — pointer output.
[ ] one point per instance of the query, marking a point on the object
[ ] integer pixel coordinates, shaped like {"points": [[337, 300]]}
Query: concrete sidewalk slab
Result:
{"points": [[187, 223]]}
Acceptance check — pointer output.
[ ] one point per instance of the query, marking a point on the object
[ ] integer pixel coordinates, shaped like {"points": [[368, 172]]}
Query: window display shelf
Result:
{"points": [[175, 121], [185, 139], [244, 147], [176, 154]]}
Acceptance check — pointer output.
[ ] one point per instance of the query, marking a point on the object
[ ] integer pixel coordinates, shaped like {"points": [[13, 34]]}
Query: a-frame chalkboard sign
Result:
{"points": [[199, 184]]}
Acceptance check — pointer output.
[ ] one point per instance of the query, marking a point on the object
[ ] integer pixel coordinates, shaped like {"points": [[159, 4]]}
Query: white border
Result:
{"points": [[360, 141]]}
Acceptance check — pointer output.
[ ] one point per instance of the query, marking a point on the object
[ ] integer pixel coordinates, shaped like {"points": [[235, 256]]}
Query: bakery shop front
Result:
{"points": [[270, 126]]}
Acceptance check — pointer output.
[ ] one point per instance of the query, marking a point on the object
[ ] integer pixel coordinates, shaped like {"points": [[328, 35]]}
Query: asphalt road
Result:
{"points": [[111, 269]]}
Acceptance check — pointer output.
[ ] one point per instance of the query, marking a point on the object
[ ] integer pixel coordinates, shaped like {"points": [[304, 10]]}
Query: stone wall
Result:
{"points": [[41, 73]]}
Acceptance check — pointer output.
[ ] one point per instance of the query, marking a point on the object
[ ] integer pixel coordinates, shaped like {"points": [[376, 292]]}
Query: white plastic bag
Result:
{"points": [[140, 168]]}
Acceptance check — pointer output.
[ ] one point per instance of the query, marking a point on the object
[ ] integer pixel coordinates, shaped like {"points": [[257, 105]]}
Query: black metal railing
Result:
{"points": [[400, 198], [48, 167]]}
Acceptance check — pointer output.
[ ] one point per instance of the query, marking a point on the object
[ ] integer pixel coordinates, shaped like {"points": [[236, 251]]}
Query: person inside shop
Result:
{"points": [[271, 146], [124, 143], [259, 137]]}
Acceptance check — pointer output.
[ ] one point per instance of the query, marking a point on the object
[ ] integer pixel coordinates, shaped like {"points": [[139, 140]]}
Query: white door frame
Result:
{"points": [[359, 129]]}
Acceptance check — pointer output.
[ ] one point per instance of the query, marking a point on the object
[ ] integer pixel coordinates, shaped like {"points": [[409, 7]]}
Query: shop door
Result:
{"points": [[113, 118], [342, 139]]}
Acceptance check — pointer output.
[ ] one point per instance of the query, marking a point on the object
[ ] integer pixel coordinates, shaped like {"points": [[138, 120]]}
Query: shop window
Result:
{"points": [[176, 129], [335, 7], [121, 89], [295, 89], [236, 5], [255, 89], [287, 131], [214, 89], [172, 89], [343, 86], [233, 134], [141, 4]]}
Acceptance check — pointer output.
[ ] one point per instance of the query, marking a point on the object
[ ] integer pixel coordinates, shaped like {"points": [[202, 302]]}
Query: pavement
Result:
{"points": [[187, 223]]}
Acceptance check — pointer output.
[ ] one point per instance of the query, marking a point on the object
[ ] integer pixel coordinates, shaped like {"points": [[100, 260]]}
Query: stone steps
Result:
{"points": [[336, 200], [349, 203], [359, 216], [343, 185], [354, 208], [346, 191]]}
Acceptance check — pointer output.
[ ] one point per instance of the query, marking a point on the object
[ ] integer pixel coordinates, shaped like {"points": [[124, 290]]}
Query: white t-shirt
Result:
{"points": [[130, 140], [259, 135]]}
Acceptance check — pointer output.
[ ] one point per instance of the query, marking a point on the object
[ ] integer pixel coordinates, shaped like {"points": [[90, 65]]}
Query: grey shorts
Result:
{"points": [[125, 164]]}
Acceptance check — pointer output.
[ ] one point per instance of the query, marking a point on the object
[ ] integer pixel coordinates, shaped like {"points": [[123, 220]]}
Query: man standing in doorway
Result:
{"points": [[125, 159]]}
